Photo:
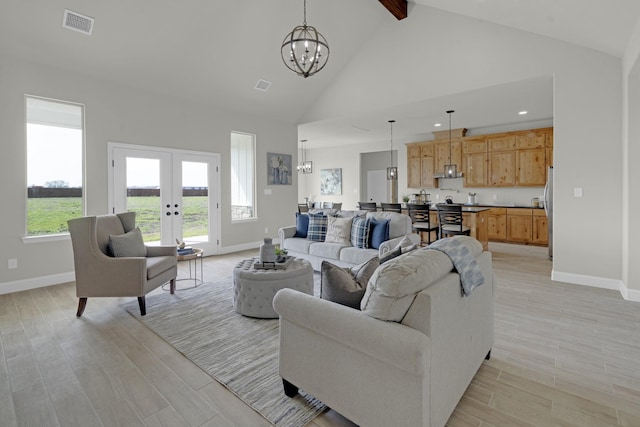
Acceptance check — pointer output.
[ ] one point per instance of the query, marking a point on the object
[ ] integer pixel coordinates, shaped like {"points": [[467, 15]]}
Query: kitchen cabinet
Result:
{"points": [[441, 155], [502, 166], [497, 224], [519, 225], [474, 162], [420, 165], [531, 169], [549, 147], [540, 227]]}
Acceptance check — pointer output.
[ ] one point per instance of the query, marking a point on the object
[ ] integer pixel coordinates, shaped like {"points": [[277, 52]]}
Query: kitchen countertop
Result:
{"points": [[515, 205]]}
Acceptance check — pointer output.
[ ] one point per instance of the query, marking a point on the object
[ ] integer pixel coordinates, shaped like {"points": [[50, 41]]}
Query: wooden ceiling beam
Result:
{"points": [[398, 8]]}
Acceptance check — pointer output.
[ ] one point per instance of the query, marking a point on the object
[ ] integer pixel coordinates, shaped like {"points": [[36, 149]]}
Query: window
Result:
{"points": [[55, 143], [243, 166]]}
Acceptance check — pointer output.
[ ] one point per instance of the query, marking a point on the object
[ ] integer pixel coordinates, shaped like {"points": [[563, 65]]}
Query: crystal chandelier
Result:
{"points": [[392, 171], [304, 50], [304, 166], [450, 170]]}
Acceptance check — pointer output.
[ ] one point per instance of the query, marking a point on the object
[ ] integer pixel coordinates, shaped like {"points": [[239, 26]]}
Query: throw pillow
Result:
{"points": [[379, 232], [391, 255], [406, 245], [302, 225], [346, 286], [360, 232], [128, 244], [317, 230], [339, 230]]}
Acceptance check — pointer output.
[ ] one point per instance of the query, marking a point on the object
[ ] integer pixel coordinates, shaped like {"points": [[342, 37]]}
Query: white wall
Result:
{"points": [[434, 53], [631, 157], [116, 113]]}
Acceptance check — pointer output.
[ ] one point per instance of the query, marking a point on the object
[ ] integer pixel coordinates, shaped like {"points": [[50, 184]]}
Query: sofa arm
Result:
{"points": [[286, 233], [392, 343], [388, 245], [161, 251]]}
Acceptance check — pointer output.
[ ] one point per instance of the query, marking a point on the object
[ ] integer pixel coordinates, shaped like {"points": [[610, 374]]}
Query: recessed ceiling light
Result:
{"points": [[523, 112], [437, 125]]}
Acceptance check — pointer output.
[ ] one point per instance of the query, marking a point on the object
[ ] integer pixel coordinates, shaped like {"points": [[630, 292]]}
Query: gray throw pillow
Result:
{"points": [[127, 245], [391, 254], [346, 286]]}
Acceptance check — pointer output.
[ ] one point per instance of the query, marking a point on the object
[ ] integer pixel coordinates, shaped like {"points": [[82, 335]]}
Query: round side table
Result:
{"points": [[194, 278]]}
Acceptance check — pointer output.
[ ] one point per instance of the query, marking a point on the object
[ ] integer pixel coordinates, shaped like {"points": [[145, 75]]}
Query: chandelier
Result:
{"points": [[303, 49], [392, 171], [450, 170], [304, 166]]}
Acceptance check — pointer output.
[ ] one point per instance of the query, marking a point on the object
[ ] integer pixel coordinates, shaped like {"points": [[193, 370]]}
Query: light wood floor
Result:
{"points": [[564, 355]]}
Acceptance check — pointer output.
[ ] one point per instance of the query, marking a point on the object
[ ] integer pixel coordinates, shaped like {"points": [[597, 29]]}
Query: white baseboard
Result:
{"points": [[597, 282], [36, 282], [243, 247]]}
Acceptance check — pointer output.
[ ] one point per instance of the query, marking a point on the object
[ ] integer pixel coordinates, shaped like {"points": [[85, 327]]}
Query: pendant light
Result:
{"points": [[304, 166], [450, 170], [304, 50], [392, 171]]}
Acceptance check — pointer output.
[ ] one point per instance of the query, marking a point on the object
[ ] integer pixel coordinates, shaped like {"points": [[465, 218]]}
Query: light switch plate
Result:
{"points": [[267, 192], [577, 192]]}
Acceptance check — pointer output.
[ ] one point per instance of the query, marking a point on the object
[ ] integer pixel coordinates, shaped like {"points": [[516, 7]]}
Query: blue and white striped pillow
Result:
{"points": [[360, 232], [317, 230]]}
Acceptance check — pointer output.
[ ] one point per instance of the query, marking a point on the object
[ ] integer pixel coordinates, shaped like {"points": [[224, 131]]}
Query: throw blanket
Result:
{"points": [[463, 261]]}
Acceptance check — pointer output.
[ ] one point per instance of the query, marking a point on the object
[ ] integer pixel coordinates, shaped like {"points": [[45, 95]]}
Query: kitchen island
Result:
{"points": [[475, 217]]}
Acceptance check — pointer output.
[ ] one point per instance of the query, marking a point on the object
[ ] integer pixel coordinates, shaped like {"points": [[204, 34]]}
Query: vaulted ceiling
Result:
{"points": [[214, 51]]}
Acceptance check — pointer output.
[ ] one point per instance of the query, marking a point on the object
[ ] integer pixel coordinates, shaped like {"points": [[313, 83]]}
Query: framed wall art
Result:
{"points": [[331, 181], [278, 169]]}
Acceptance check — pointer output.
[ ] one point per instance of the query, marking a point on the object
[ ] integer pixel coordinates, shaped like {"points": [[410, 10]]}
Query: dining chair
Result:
{"points": [[303, 208]]}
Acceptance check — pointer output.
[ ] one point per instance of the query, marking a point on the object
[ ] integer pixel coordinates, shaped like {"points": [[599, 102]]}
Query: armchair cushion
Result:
{"points": [[129, 244]]}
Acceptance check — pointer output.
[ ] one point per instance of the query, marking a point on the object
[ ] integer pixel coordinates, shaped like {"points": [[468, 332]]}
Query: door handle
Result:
{"points": [[175, 213], [168, 213]]}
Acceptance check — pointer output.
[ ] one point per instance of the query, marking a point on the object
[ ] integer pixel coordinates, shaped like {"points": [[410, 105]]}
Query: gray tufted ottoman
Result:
{"points": [[253, 290]]}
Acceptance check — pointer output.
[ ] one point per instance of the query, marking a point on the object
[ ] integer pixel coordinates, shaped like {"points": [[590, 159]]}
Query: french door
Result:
{"points": [[175, 193]]}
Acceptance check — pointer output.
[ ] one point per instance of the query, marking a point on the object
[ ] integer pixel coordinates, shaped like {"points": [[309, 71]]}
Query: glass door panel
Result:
{"points": [[143, 196], [195, 202]]}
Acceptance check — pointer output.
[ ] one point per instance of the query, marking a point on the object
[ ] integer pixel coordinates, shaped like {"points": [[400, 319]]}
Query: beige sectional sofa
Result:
{"points": [[347, 255], [378, 372]]}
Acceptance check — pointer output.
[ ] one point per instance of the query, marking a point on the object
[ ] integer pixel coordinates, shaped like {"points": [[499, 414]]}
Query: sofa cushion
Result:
{"points": [[353, 255], [129, 244], [394, 285], [338, 230], [326, 250], [379, 232], [346, 286], [317, 230], [302, 225], [297, 244], [350, 214], [360, 232]]}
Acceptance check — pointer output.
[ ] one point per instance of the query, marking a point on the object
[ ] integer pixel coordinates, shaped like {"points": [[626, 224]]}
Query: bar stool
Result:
{"points": [[450, 220], [391, 207], [421, 222], [367, 206]]}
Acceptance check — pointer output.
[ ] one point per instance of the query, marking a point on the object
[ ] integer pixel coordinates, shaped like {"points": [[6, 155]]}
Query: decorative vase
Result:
{"points": [[267, 251]]}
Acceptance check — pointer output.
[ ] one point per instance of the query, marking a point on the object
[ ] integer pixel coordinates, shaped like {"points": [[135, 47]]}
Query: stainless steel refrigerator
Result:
{"points": [[548, 207]]}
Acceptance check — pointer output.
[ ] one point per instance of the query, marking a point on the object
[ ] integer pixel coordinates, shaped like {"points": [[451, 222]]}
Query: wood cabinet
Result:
{"points": [[474, 162], [441, 155], [497, 224], [502, 166], [540, 227], [531, 168], [549, 148], [420, 165], [519, 225]]}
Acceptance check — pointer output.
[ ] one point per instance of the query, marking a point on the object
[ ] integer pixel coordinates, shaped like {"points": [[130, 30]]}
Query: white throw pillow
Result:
{"points": [[339, 230]]}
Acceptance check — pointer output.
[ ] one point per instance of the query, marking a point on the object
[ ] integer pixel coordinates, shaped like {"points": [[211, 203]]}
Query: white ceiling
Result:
{"points": [[214, 52]]}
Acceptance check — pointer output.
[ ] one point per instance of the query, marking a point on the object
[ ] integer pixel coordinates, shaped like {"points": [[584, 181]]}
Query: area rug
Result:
{"points": [[239, 352]]}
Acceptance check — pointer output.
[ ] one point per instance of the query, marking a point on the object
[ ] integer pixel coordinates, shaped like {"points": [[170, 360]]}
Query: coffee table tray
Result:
{"points": [[273, 265]]}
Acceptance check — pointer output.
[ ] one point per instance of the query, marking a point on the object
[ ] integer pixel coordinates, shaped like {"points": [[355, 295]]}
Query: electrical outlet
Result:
{"points": [[13, 263], [437, 196], [266, 230], [494, 197]]}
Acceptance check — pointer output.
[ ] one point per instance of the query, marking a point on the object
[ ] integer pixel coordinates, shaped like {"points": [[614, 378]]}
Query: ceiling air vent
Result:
{"points": [[263, 85], [77, 22]]}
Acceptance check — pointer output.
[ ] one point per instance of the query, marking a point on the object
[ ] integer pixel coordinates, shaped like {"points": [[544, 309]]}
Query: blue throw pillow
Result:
{"points": [[302, 225], [317, 230], [360, 232], [379, 232]]}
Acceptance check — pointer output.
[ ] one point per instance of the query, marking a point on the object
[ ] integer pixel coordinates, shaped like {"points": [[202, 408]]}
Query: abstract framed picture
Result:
{"points": [[331, 181], [278, 169]]}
